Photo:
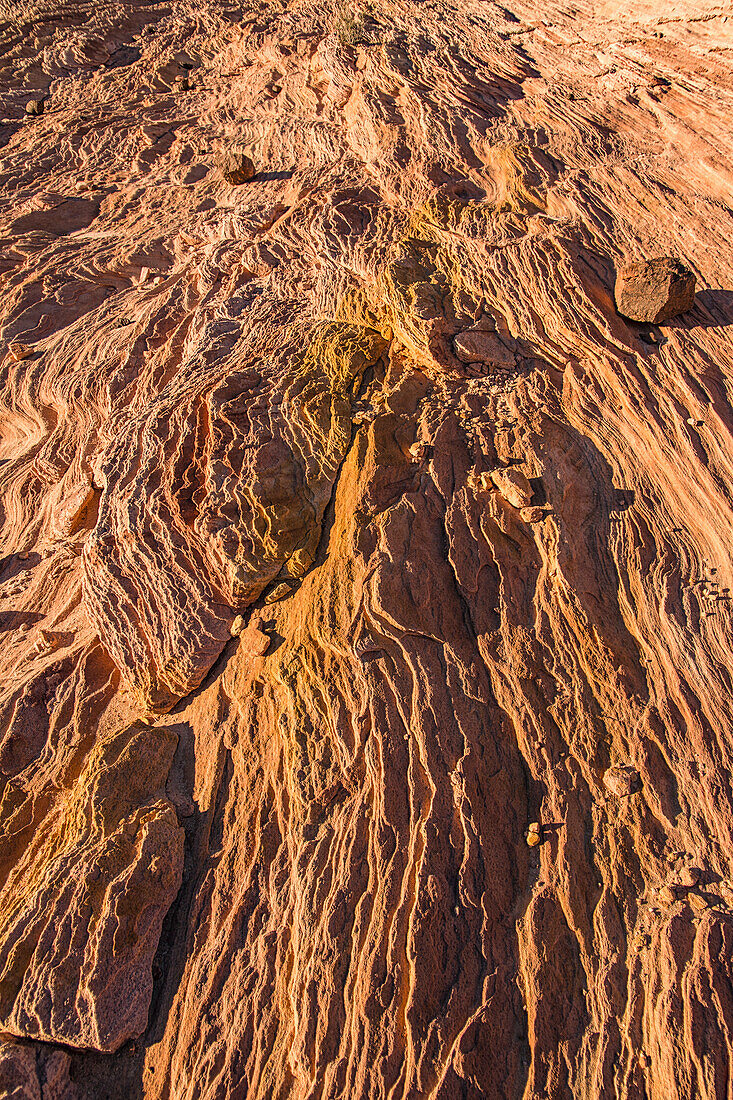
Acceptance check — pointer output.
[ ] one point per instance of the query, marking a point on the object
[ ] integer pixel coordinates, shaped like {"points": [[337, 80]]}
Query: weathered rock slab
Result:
{"points": [[622, 781], [80, 924], [479, 346]]}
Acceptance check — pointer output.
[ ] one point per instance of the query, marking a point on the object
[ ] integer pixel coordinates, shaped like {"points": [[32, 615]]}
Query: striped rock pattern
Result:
{"points": [[347, 529]]}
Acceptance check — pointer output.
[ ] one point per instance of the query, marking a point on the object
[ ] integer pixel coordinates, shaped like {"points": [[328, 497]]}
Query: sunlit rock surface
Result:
{"points": [[348, 531]]}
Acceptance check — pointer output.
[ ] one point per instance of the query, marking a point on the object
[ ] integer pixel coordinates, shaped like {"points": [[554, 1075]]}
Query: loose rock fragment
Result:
{"points": [[20, 351], [34, 107], [299, 563], [367, 644], [533, 515], [419, 450], [514, 486], [622, 781], [534, 834], [483, 481], [254, 642], [688, 877], [667, 896], [279, 592], [698, 902], [654, 290], [46, 643], [237, 625], [478, 346], [185, 60], [235, 166]]}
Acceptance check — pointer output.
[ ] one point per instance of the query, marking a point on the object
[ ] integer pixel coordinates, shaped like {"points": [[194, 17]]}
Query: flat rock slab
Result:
{"points": [[478, 346], [622, 781], [654, 290], [88, 907]]}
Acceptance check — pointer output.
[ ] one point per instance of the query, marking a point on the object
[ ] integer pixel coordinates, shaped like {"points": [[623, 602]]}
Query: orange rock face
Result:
{"points": [[365, 706]]}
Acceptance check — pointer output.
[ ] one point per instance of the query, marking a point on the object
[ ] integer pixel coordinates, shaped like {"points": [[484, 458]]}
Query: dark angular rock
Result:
{"points": [[654, 290], [236, 167]]}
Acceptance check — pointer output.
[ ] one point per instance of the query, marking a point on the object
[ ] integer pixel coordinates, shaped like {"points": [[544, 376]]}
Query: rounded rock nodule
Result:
{"points": [[235, 166], [654, 291]]}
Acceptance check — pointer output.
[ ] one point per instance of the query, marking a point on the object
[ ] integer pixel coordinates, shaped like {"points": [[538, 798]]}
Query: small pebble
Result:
{"points": [[622, 781], [279, 592], [533, 515], [688, 877]]}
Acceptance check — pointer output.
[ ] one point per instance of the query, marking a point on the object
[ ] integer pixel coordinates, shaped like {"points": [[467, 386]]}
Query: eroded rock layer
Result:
{"points": [[365, 707]]}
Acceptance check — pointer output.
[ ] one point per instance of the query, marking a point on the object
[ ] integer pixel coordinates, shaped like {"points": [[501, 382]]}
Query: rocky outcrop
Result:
{"points": [[365, 712], [266, 443], [84, 903]]}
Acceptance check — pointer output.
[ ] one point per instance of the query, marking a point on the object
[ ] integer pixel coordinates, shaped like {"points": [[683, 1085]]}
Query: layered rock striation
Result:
{"points": [[365, 709]]}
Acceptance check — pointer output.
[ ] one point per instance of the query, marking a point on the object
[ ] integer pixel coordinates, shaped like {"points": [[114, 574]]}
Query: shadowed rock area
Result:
{"points": [[366, 576]]}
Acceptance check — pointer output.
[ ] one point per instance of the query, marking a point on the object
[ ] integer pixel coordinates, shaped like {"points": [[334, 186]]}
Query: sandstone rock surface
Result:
{"points": [[285, 672], [478, 346]]}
